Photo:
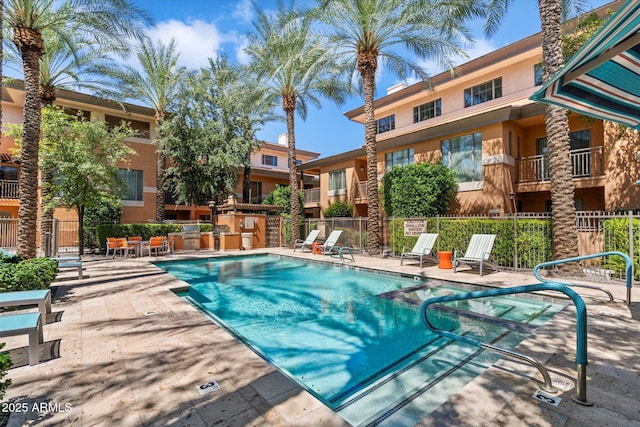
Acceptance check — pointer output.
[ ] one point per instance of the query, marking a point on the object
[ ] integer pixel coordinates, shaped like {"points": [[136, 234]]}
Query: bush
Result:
{"points": [[339, 209], [5, 364], [29, 274], [616, 231], [418, 190]]}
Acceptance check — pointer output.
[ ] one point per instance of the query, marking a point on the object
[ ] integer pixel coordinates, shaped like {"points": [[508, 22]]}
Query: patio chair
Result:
{"points": [[477, 254], [122, 246], [306, 243], [329, 245], [111, 245], [422, 249], [160, 244]]}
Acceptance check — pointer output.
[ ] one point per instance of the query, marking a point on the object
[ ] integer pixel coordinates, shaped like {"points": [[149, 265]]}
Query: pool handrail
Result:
{"points": [[581, 330], [628, 271]]}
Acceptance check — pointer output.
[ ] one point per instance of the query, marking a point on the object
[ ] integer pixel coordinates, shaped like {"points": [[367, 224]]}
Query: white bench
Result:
{"points": [[24, 323]]}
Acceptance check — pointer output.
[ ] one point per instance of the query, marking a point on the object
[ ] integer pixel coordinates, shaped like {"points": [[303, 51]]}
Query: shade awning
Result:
{"points": [[602, 79]]}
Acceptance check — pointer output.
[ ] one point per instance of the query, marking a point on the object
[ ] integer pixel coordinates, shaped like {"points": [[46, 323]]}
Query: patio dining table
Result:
{"points": [[139, 244]]}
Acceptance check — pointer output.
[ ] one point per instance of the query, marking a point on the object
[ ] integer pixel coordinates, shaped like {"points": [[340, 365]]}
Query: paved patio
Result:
{"points": [[121, 349]]}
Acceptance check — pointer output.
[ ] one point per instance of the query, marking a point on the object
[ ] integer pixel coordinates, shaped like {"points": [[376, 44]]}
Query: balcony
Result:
{"points": [[9, 189], [361, 190], [586, 162], [312, 195]]}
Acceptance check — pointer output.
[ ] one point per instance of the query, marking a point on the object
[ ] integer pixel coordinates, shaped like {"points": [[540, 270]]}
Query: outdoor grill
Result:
{"points": [[191, 237]]}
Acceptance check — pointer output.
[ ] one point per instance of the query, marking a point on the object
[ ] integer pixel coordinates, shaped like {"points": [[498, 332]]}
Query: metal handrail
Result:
{"points": [[628, 271], [581, 330]]}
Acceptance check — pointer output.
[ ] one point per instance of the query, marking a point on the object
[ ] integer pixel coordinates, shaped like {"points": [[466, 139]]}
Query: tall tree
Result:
{"points": [[84, 154], [294, 65], [107, 22], [155, 83], [202, 157], [365, 32], [563, 212], [67, 64]]}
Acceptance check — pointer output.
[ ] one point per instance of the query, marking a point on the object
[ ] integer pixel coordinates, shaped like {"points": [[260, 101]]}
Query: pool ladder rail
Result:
{"points": [[581, 331], [628, 271], [546, 285]]}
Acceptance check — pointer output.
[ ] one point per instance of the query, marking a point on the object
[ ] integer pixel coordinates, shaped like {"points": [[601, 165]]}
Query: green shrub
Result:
{"points": [[145, 230], [418, 190], [338, 209], [616, 231], [29, 274], [5, 364]]}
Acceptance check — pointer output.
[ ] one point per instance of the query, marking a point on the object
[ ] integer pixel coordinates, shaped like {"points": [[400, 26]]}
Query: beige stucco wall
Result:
{"points": [[622, 147]]}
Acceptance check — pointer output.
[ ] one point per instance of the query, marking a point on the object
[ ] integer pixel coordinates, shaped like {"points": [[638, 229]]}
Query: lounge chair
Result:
{"points": [[477, 254], [422, 249], [306, 243], [329, 245]]}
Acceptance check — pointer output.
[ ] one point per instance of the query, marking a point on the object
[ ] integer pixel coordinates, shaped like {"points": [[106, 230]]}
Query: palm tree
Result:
{"points": [[154, 83], [552, 14], [67, 64], [365, 33], [108, 22], [296, 68]]}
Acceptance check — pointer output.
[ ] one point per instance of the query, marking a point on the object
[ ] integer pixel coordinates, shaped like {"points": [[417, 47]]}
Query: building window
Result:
{"points": [[269, 160], [132, 189], [9, 173], [537, 71], [427, 111], [337, 182], [463, 154], [143, 128], [483, 92], [398, 158], [386, 124]]}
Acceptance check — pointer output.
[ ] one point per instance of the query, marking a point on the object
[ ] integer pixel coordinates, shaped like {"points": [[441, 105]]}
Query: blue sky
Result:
{"points": [[203, 27]]}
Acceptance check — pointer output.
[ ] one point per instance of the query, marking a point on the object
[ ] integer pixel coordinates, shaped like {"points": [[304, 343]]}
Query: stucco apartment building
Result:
{"points": [[481, 123], [269, 163]]}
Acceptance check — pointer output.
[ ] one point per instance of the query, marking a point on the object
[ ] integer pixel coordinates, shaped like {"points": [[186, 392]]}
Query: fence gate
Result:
{"points": [[272, 233]]}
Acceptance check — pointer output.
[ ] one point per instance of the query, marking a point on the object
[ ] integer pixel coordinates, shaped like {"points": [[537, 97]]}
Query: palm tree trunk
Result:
{"points": [[28, 210], [47, 97], [367, 69], [289, 108], [246, 183], [565, 235]]}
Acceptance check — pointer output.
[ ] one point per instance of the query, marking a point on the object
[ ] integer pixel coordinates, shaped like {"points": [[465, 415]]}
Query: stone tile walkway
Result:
{"points": [[122, 350]]}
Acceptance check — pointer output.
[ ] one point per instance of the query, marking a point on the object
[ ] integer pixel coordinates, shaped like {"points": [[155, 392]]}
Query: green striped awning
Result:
{"points": [[602, 79]]}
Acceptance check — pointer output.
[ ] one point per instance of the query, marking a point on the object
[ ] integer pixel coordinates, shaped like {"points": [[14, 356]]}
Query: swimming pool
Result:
{"points": [[352, 338]]}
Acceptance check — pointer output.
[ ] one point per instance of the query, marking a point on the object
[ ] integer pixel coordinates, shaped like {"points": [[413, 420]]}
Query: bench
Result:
{"points": [[24, 323], [40, 297], [70, 262]]}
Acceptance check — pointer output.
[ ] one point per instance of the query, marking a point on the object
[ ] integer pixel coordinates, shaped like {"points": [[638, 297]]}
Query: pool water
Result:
{"points": [[355, 339]]}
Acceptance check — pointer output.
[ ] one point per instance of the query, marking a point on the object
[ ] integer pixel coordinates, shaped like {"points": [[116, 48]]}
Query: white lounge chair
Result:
{"points": [[477, 254], [422, 249], [306, 243], [330, 244]]}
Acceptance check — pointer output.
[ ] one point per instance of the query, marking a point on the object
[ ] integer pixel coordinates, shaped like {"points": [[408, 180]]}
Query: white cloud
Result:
{"points": [[196, 40], [243, 11], [241, 55]]}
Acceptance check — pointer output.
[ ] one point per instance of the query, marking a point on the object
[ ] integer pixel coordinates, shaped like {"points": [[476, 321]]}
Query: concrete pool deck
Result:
{"points": [[122, 349]]}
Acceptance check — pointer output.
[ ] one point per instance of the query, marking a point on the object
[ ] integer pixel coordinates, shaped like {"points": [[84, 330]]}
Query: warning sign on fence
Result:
{"points": [[414, 228]]}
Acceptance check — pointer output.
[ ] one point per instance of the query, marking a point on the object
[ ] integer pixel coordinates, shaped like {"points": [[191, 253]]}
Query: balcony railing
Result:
{"points": [[586, 162], [312, 195], [361, 190], [9, 189]]}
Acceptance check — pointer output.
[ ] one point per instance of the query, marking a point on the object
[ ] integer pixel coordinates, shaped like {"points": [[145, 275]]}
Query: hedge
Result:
{"points": [[534, 238], [616, 231]]}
